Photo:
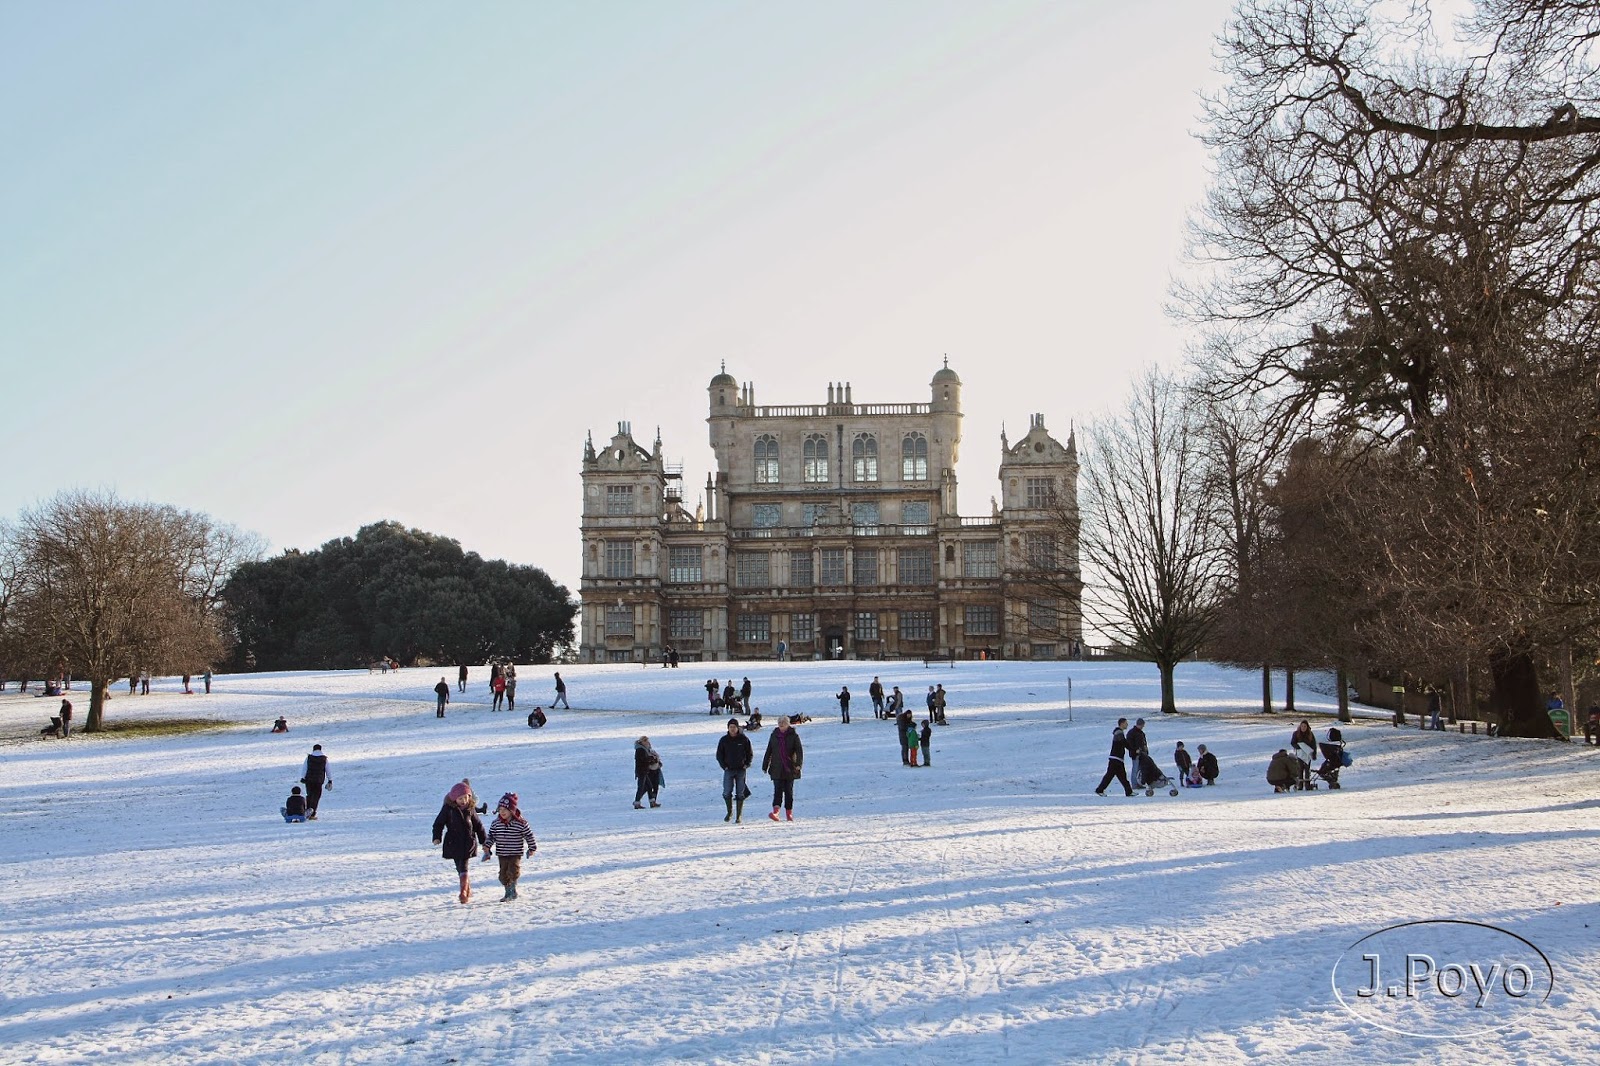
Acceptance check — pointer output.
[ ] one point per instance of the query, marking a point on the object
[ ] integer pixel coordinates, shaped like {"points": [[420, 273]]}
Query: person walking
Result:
{"points": [[1138, 748], [460, 831], [646, 771], [744, 694], [844, 704], [207, 678], [875, 692], [509, 837], [442, 690], [734, 755], [782, 763], [938, 704], [461, 677], [315, 777], [1115, 768], [497, 684], [561, 693], [66, 719]]}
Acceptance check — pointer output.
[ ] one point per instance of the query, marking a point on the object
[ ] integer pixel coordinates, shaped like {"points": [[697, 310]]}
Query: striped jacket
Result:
{"points": [[507, 838]]}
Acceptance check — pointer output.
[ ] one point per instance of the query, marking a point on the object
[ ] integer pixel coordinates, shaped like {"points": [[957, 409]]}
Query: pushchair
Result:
{"points": [[1333, 760], [1151, 777]]}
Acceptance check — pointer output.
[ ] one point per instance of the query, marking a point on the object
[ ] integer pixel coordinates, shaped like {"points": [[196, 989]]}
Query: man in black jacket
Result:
{"points": [[1138, 748], [734, 755], [1115, 770], [315, 777]]}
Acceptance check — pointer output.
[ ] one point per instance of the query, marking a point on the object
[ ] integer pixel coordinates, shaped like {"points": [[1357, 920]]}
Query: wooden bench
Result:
{"points": [[939, 657]]}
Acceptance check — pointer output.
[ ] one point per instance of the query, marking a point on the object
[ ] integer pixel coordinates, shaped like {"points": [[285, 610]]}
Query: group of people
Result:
{"points": [[1132, 743], [315, 775], [727, 698], [1288, 772], [782, 762], [503, 686], [460, 833]]}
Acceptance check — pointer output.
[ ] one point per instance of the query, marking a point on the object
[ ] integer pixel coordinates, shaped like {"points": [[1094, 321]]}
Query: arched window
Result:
{"points": [[816, 459], [914, 458], [864, 453], [766, 460]]}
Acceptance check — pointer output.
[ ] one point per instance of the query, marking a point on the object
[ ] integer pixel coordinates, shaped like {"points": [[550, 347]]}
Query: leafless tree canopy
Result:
{"points": [[1401, 245], [105, 588], [1154, 571]]}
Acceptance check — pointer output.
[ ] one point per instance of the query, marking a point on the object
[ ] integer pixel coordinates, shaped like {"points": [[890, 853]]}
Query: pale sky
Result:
{"points": [[305, 267]]}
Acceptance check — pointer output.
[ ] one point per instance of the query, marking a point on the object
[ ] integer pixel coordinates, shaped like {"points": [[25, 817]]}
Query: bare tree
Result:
{"points": [[105, 587], [1153, 565], [1404, 241]]}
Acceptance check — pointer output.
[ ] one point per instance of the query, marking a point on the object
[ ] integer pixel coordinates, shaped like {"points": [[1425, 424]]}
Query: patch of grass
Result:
{"points": [[160, 727]]}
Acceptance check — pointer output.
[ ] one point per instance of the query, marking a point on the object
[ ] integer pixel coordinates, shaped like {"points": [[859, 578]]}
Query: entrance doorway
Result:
{"points": [[834, 639]]}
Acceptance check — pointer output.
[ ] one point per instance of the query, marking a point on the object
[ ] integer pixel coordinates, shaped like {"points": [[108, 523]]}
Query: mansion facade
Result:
{"points": [[829, 530]]}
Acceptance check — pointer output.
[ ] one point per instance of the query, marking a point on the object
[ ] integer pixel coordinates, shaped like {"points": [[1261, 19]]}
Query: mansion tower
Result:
{"points": [[833, 529]]}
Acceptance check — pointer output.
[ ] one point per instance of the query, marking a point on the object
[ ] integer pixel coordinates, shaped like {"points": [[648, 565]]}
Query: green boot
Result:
{"points": [[729, 816]]}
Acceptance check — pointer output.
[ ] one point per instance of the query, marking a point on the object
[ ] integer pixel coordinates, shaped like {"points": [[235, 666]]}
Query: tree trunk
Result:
{"points": [[1516, 697], [97, 704], [1288, 690], [1343, 681], [1169, 702], [1266, 688]]}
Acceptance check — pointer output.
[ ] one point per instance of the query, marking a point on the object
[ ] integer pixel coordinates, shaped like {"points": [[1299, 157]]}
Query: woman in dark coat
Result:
{"points": [[782, 763], [647, 771], [459, 829]]}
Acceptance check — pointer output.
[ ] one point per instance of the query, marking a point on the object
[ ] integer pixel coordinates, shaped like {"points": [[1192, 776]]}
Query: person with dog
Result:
{"points": [[460, 831], [508, 837], [734, 755], [66, 719], [782, 762], [315, 777]]}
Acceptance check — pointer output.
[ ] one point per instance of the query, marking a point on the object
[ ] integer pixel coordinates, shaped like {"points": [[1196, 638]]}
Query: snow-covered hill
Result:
{"points": [[988, 908]]}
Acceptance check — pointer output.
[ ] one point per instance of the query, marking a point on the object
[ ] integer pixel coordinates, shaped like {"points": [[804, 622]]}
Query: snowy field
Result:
{"points": [[154, 908]]}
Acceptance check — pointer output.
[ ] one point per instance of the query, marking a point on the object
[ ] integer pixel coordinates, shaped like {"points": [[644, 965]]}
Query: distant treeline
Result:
{"points": [[392, 592]]}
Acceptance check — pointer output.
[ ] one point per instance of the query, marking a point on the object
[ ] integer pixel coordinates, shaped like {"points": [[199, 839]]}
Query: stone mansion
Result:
{"points": [[829, 530]]}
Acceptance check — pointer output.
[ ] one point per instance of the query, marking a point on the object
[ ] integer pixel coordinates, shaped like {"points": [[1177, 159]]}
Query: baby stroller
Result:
{"points": [[1151, 777], [1333, 758]]}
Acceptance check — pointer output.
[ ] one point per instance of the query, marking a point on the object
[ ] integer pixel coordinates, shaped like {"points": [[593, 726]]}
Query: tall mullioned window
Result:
{"points": [[766, 459], [766, 515], [619, 499], [1041, 492], [980, 558], [914, 517], [619, 621], [916, 625], [866, 567], [619, 558], [801, 574], [1042, 614], [753, 628], [684, 565], [864, 516], [864, 457], [916, 566], [684, 624], [802, 627], [833, 566], [815, 454], [1041, 548], [866, 625], [753, 570], [914, 458], [983, 621]]}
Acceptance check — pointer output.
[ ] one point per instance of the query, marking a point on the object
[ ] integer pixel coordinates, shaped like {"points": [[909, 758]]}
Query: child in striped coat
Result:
{"points": [[509, 835]]}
